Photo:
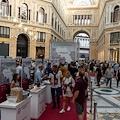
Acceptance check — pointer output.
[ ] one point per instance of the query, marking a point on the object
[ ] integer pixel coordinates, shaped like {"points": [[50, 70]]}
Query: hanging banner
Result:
{"points": [[26, 71], [64, 51], [7, 70]]}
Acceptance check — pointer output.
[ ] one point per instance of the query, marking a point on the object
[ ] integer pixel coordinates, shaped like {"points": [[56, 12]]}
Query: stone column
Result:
{"points": [[93, 51], [107, 51], [47, 48], [35, 19], [33, 46], [12, 14], [16, 7], [86, 19], [54, 21], [13, 44], [72, 19], [76, 20]]}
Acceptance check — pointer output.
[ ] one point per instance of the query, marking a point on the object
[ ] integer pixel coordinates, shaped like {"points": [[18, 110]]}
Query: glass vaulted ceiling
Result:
{"points": [[82, 2]]}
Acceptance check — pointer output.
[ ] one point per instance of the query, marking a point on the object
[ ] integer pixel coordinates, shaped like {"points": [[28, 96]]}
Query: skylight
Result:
{"points": [[82, 2]]}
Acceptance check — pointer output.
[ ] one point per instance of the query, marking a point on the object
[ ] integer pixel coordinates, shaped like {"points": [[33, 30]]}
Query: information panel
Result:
{"points": [[7, 70], [64, 51]]}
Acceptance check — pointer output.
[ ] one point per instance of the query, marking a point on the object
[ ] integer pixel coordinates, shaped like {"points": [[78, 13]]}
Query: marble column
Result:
{"points": [[47, 47]]}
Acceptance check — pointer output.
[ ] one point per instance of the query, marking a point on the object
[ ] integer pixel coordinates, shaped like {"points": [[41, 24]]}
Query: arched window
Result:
{"points": [[4, 7], [24, 11], [116, 13], [42, 16]]}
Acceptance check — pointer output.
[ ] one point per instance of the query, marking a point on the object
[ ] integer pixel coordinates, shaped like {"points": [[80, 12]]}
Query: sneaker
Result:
{"points": [[69, 108], [62, 111]]}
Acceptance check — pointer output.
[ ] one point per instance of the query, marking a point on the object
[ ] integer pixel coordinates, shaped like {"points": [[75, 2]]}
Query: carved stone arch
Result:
{"points": [[42, 8], [25, 33], [28, 38], [81, 31], [26, 2], [117, 4]]}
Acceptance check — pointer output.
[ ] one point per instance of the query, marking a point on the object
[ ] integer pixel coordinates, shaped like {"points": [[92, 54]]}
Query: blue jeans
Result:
{"points": [[59, 92]]}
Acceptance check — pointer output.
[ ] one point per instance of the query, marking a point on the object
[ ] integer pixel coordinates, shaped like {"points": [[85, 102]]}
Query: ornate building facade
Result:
{"points": [[27, 26]]}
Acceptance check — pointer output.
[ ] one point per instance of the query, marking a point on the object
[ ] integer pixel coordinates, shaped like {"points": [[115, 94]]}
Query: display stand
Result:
{"points": [[48, 92], [37, 101], [16, 111]]}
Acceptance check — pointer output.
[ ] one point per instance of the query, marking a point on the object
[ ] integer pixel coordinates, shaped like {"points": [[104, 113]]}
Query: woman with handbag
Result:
{"points": [[68, 84]]}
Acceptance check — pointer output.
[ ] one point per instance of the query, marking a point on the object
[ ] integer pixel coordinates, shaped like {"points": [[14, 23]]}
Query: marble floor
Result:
{"points": [[107, 99]]}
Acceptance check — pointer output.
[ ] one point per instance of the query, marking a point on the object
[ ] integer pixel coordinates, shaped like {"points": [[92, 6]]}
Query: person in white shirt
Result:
{"points": [[68, 84], [18, 69], [55, 79]]}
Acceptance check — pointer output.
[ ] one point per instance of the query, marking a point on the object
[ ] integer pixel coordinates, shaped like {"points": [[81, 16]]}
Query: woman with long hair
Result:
{"points": [[68, 84], [15, 82]]}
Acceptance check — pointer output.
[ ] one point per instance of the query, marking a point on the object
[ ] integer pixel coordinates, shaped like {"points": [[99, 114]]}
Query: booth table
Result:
{"points": [[48, 92], [16, 111], [37, 101]]}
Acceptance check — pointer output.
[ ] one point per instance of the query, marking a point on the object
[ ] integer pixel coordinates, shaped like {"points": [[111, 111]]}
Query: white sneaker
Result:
{"points": [[62, 111], [69, 108]]}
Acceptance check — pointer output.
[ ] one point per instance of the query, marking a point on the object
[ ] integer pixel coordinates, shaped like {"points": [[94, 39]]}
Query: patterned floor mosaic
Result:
{"points": [[108, 105]]}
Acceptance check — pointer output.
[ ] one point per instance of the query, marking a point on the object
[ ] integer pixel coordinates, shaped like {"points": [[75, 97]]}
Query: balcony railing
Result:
{"points": [[13, 19]]}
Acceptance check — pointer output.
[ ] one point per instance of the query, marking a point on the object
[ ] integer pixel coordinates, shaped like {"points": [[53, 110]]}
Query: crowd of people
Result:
{"points": [[70, 80], [105, 70]]}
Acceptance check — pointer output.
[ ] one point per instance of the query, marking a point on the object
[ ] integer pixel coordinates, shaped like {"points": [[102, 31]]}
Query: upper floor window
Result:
{"points": [[4, 32], [41, 36], [115, 16], [4, 7], [41, 16], [82, 19], [116, 13], [114, 37], [24, 11]]}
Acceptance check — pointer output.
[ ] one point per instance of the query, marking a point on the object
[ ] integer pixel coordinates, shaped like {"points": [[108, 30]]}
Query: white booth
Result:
{"points": [[16, 111], [48, 92], [37, 101]]}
